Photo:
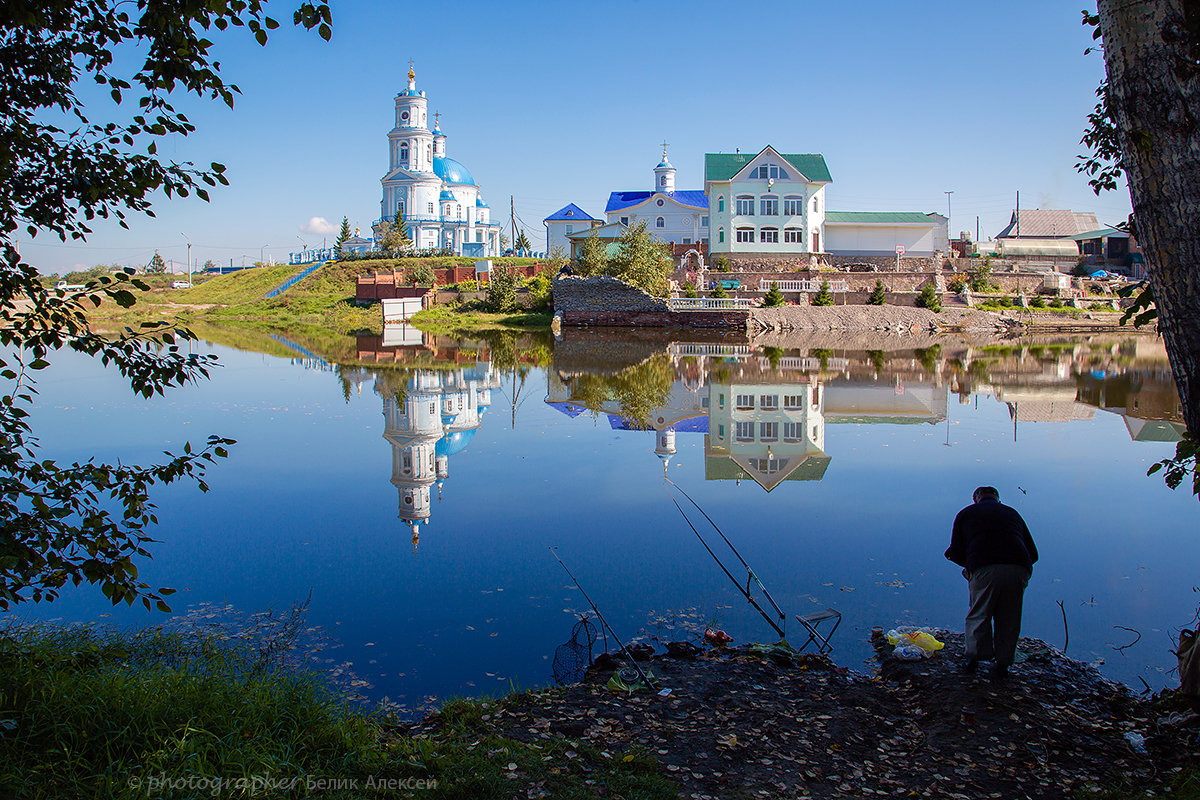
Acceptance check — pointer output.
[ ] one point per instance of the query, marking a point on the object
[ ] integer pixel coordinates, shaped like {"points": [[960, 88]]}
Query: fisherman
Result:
{"points": [[992, 544]]}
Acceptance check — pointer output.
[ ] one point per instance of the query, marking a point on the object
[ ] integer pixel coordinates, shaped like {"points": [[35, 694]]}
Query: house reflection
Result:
{"points": [[429, 416]]}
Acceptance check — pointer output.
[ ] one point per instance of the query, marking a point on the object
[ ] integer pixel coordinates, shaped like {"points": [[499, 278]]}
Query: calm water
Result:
{"points": [[415, 493]]}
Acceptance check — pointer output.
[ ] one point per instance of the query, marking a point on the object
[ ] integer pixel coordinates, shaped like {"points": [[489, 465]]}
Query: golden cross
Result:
{"points": [[664, 149]]}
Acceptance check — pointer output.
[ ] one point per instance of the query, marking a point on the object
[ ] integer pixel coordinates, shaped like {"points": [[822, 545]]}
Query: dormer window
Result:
{"points": [[660, 223], [770, 172]]}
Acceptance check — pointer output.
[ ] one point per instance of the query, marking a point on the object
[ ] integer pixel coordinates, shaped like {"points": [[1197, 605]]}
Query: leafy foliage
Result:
{"points": [[773, 297], [1142, 311], [689, 289], [979, 276], [593, 256], [502, 290], [642, 260], [878, 295], [718, 292], [1186, 462], [823, 297], [422, 274], [540, 292], [87, 521]]}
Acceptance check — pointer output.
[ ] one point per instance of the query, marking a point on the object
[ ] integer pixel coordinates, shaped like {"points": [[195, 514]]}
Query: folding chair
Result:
{"points": [[812, 624]]}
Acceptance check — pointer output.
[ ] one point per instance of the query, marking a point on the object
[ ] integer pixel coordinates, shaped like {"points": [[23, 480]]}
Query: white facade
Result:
{"points": [[872, 233], [671, 215], [561, 224], [766, 203], [436, 195]]}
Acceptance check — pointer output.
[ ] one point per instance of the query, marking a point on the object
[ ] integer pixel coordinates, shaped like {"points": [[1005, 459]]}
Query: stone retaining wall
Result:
{"points": [[608, 302], [795, 262]]}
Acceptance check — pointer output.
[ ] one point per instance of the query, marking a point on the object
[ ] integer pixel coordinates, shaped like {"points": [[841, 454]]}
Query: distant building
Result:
{"points": [[1044, 233], [671, 215], [609, 234], [436, 195], [562, 223], [766, 203], [879, 233]]}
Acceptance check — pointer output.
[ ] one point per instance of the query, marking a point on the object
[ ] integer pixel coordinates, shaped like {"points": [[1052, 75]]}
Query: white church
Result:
{"points": [[436, 195]]}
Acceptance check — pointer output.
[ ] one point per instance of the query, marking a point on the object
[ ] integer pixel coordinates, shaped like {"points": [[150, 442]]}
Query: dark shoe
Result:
{"points": [[969, 666], [999, 672]]}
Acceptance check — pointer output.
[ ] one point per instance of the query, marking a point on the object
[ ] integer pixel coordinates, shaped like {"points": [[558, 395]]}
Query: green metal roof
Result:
{"points": [[723, 166], [877, 217]]}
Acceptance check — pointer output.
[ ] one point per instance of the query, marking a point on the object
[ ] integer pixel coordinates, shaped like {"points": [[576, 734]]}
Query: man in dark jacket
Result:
{"points": [[992, 544]]}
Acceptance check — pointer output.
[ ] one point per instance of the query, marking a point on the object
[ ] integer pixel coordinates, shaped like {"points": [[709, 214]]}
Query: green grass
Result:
{"points": [[95, 713], [448, 319]]}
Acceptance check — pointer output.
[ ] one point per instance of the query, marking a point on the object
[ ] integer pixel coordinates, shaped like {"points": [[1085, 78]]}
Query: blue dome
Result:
{"points": [[479, 203], [453, 443], [451, 171], [447, 196]]}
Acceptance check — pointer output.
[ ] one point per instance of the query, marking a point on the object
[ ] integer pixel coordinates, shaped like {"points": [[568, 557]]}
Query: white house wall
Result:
{"points": [[681, 224], [881, 240]]}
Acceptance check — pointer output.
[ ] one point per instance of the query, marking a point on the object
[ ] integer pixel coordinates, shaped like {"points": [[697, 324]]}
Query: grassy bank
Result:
{"points": [[101, 714]]}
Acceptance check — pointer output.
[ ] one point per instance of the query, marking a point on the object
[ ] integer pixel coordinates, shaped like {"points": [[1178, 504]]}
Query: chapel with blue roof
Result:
{"points": [[678, 216], [436, 195]]}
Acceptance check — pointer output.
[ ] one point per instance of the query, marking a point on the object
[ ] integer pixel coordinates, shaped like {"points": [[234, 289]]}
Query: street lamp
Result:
{"points": [[189, 257], [261, 256], [948, 226]]}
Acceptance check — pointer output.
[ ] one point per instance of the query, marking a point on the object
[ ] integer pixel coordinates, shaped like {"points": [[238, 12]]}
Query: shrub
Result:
{"points": [[718, 292], [1056, 302], [689, 289], [773, 298], [824, 297], [502, 290], [957, 282], [978, 276], [1036, 301], [878, 295], [540, 294], [928, 298], [723, 263]]}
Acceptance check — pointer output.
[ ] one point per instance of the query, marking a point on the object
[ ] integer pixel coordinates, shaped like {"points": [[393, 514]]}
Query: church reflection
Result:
{"points": [[429, 416]]}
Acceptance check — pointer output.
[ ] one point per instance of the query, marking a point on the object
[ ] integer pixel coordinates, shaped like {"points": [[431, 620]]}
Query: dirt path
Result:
{"points": [[736, 725]]}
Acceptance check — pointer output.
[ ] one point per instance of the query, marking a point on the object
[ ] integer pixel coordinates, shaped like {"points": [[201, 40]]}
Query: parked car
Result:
{"points": [[181, 284]]}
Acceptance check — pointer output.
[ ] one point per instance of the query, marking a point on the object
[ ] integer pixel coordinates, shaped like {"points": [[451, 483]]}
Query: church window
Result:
{"points": [[660, 223], [479, 236], [404, 152], [704, 221], [458, 210], [429, 152], [745, 205], [769, 205], [745, 234], [793, 206], [793, 235], [768, 431], [720, 431], [624, 220], [770, 235], [431, 208], [404, 115], [662, 180], [721, 202], [720, 235], [660, 202], [400, 208], [446, 212]]}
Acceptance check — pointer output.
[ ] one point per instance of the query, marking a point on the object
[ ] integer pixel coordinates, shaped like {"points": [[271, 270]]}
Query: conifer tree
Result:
{"points": [[343, 235], [878, 295], [824, 297], [773, 298]]}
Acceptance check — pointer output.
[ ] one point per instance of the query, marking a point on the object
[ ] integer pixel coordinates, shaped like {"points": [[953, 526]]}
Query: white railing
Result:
{"points": [[805, 363], [707, 304], [808, 285], [717, 350]]}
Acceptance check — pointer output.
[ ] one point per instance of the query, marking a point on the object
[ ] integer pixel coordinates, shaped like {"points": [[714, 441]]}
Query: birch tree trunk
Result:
{"points": [[1152, 55]]}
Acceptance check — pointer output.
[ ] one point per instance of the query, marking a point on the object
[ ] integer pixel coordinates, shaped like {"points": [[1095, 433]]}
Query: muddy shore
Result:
{"points": [[739, 725]]}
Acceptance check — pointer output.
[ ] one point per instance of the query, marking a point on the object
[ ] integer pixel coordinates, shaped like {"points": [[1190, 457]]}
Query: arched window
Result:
{"points": [[429, 152], [660, 223], [745, 205], [720, 202], [720, 235], [769, 205], [404, 152], [793, 206], [458, 210], [816, 206], [662, 180]]}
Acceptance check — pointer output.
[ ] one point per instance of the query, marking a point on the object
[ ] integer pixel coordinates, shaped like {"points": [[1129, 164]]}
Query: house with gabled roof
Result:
{"points": [[768, 202], [674, 216], [562, 223]]}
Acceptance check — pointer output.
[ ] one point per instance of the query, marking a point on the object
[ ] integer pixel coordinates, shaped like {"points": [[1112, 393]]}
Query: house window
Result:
{"points": [[816, 205], [793, 402], [570, 229], [744, 431], [745, 234], [744, 402], [815, 397], [793, 431], [768, 171], [720, 431], [687, 240], [721, 401], [768, 431], [745, 205], [720, 235], [793, 206], [624, 220], [768, 402], [721, 203], [769, 206], [793, 235], [704, 221], [770, 235], [816, 248], [660, 223], [479, 236]]}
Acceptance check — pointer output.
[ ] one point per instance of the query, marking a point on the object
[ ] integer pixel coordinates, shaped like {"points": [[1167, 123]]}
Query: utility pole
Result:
{"points": [[949, 227], [189, 256], [1018, 214], [976, 230], [512, 213]]}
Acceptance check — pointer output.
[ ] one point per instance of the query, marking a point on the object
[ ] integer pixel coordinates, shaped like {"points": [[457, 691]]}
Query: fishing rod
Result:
{"points": [[750, 575], [604, 622]]}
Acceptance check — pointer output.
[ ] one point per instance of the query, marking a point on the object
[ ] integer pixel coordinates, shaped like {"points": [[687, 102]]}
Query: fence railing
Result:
{"points": [[806, 285], [718, 350], [707, 304]]}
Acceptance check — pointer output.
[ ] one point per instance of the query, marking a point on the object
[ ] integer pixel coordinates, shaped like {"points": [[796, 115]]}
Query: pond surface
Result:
{"points": [[414, 491]]}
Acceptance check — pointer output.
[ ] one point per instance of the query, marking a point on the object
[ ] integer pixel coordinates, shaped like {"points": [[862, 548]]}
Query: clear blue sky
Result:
{"points": [[563, 103]]}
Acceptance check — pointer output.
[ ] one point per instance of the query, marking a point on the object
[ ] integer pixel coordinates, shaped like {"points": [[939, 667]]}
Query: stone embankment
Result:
{"points": [[878, 318]]}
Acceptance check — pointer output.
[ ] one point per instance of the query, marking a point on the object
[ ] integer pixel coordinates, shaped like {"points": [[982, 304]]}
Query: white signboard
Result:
{"points": [[899, 249]]}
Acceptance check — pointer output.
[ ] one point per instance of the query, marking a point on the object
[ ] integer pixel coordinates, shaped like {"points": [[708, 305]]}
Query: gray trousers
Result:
{"points": [[994, 619]]}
